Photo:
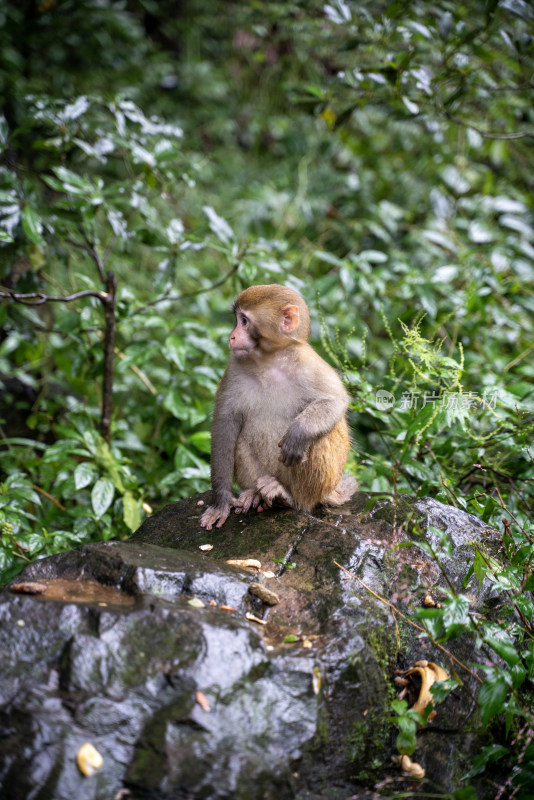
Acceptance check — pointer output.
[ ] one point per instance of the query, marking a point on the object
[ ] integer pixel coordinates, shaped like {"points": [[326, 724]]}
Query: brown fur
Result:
{"points": [[279, 424]]}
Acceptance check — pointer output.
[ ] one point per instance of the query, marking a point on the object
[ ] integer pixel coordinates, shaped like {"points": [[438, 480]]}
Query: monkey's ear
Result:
{"points": [[290, 319]]}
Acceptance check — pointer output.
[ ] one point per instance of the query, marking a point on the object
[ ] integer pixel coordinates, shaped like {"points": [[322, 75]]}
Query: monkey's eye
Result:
{"points": [[243, 321]]}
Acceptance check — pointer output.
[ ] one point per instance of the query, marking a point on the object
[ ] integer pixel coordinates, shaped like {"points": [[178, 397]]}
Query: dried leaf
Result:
{"points": [[227, 608], [206, 547], [196, 602]]}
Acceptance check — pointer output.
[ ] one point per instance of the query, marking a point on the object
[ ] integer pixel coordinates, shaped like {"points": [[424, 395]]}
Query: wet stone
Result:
{"points": [[112, 652]]}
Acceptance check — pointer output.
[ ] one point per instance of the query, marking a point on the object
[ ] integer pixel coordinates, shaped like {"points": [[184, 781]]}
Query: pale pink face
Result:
{"points": [[244, 337]]}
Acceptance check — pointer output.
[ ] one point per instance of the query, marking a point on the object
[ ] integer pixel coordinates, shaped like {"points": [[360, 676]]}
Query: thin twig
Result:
{"points": [[174, 298], [140, 374], [504, 507], [50, 497], [38, 298], [413, 624], [490, 134]]}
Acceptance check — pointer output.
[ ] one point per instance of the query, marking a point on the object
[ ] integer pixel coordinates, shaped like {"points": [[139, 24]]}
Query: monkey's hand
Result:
{"points": [[217, 515], [293, 447]]}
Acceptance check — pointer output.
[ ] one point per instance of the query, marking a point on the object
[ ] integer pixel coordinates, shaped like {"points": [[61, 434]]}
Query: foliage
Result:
{"points": [[376, 157]]}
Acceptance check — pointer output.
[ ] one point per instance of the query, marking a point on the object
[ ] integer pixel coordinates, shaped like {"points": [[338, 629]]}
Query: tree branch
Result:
{"points": [[109, 351], [38, 298], [173, 298]]}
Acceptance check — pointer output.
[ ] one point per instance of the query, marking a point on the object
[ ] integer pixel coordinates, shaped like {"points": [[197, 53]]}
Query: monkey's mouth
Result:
{"points": [[241, 352]]}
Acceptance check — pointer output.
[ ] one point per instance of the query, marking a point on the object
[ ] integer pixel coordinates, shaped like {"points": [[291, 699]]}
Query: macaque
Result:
{"points": [[279, 424]]}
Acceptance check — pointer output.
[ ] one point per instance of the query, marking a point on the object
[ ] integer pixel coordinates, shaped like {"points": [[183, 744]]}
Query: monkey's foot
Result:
{"points": [[270, 490], [248, 499]]}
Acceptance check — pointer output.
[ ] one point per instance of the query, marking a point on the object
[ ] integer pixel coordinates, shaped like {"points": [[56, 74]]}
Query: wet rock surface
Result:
{"points": [[144, 649]]}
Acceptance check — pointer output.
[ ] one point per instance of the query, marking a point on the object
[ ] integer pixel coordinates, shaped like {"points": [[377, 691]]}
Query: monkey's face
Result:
{"points": [[245, 337]]}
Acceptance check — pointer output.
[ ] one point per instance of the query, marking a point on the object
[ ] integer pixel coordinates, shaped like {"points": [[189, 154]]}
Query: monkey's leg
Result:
{"points": [[271, 490], [248, 499]]}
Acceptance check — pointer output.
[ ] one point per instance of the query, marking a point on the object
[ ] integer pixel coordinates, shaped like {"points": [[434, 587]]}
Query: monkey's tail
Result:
{"points": [[343, 491]]}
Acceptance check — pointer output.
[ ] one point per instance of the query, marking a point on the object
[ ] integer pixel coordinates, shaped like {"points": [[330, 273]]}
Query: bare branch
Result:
{"points": [[38, 298], [173, 298], [109, 349], [490, 134]]}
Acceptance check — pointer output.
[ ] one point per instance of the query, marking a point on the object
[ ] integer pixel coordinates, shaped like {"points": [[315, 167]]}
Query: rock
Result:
{"points": [[114, 654]]}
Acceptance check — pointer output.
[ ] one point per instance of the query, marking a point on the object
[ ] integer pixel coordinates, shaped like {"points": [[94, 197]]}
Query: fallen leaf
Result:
{"points": [[227, 608], [196, 602], [206, 547]]}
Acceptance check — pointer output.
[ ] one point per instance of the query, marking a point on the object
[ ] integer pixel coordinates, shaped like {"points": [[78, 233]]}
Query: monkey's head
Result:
{"points": [[268, 318]]}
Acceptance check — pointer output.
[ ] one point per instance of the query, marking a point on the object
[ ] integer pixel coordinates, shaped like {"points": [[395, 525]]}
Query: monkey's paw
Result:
{"points": [[248, 499], [215, 515], [293, 447], [271, 490]]}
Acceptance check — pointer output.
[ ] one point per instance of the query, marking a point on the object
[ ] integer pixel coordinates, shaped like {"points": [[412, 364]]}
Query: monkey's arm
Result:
{"points": [[317, 419], [224, 432]]}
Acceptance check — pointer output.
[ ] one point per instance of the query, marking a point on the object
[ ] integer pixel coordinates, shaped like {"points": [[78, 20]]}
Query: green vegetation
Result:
{"points": [[159, 157]]}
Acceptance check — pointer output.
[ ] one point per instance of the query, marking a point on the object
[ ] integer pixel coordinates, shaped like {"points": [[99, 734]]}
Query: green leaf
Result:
{"points": [[73, 183], [202, 441], [174, 403], [175, 350], [131, 511], [466, 793], [102, 496], [5, 237], [492, 696], [455, 615], [218, 225], [486, 756], [84, 475], [31, 224], [502, 644]]}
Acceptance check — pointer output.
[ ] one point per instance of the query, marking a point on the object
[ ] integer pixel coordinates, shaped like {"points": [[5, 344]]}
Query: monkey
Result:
{"points": [[279, 424]]}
